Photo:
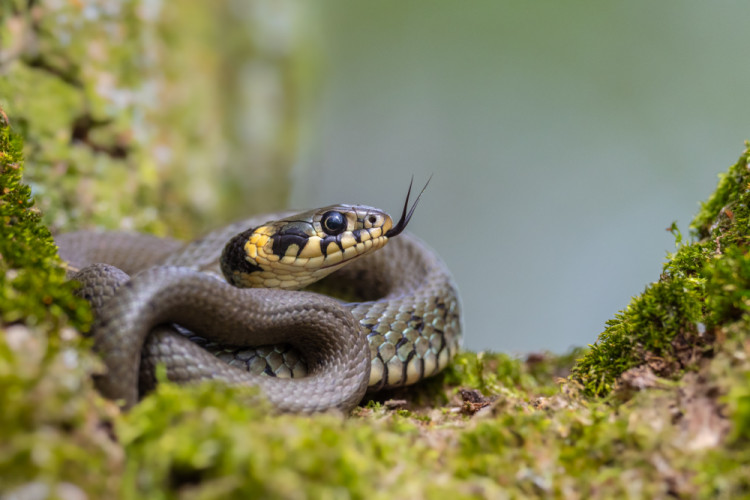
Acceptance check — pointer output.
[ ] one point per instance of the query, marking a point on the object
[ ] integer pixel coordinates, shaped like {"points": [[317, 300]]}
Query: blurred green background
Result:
{"points": [[564, 137]]}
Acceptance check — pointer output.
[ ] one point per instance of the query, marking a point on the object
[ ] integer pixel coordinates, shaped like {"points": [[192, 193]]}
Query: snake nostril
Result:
{"points": [[372, 219]]}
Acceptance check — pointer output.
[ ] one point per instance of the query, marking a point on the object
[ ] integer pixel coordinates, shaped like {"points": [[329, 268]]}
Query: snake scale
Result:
{"points": [[321, 352]]}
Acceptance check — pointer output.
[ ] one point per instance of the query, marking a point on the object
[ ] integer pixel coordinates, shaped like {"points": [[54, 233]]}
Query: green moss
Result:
{"points": [[728, 287], [51, 418], [725, 472], [704, 284], [726, 212], [32, 283], [738, 408], [494, 373], [210, 442], [643, 331]]}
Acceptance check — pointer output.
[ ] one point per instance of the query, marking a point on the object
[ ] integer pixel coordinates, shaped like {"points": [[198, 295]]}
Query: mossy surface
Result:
{"points": [[674, 367], [659, 407], [703, 290], [158, 116], [52, 421]]}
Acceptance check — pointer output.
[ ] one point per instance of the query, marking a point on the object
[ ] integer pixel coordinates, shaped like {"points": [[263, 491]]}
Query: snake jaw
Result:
{"points": [[406, 217]]}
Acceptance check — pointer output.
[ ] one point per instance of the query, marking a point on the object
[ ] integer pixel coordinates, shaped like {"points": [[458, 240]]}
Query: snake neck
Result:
{"points": [[234, 263]]}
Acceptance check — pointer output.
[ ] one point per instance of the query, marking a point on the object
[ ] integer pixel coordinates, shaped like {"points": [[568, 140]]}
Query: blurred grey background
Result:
{"points": [[564, 137]]}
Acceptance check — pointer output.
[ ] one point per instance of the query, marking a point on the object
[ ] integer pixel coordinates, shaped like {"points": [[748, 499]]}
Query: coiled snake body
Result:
{"points": [[177, 311]]}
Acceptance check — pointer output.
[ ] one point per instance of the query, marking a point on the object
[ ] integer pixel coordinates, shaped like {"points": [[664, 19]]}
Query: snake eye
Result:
{"points": [[333, 223]]}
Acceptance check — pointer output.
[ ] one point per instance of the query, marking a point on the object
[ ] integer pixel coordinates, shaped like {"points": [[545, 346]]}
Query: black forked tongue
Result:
{"points": [[406, 217]]}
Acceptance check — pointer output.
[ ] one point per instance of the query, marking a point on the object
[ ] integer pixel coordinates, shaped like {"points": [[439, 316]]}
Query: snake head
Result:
{"points": [[293, 252]]}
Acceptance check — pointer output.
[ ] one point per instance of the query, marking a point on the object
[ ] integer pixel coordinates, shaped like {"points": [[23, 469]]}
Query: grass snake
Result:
{"points": [[394, 322]]}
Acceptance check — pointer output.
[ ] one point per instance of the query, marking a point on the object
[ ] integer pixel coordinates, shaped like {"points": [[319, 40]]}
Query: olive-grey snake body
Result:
{"points": [[404, 325]]}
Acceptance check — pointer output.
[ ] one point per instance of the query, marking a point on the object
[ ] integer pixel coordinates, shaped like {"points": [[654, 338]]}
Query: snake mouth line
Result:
{"points": [[377, 243]]}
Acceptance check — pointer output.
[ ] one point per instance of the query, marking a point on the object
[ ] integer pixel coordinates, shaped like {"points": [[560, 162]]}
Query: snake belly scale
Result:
{"points": [[176, 309]]}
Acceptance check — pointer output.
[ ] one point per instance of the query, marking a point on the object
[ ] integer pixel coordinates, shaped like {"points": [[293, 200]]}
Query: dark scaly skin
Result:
{"points": [[311, 323], [404, 285]]}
